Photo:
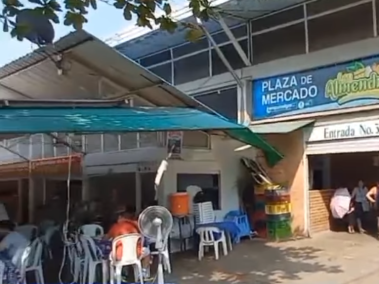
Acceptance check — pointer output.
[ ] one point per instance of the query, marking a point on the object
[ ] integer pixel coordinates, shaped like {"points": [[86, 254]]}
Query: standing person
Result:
{"points": [[373, 197], [361, 204]]}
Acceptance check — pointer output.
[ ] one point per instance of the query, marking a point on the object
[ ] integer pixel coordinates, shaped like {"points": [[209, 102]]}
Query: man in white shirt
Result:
{"points": [[13, 243]]}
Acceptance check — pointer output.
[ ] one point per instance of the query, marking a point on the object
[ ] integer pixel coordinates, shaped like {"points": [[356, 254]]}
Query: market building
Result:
{"points": [[301, 73], [305, 76]]}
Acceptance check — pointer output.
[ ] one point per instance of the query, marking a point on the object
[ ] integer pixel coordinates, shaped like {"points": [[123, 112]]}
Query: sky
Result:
{"points": [[102, 23]]}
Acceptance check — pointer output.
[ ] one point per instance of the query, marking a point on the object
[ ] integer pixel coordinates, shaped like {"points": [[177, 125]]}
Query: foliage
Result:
{"points": [[146, 13]]}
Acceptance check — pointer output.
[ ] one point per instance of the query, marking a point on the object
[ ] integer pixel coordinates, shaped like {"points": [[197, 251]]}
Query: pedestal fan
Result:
{"points": [[155, 223]]}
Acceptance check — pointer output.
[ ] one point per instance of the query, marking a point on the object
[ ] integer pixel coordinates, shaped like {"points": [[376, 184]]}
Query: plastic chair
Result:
{"points": [[31, 260], [77, 258], [242, 221], [129, 257], [2, 269], [46, 239], [28, 231], [92, 260], [211, 236], [92, 230], [204, 213]]}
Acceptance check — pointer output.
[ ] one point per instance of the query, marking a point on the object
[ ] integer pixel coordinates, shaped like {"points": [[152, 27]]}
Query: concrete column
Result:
{"points": [[31, 204], [20, 200], [85, 189], [138, 192], [43, 181]]}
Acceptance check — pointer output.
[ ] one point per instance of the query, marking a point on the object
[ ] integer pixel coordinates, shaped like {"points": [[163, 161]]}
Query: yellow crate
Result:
{"points": [[278, 209]]}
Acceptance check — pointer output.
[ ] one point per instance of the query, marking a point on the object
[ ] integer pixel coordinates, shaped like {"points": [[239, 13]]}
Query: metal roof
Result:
{"points": [[90, 60], [234, 13]]}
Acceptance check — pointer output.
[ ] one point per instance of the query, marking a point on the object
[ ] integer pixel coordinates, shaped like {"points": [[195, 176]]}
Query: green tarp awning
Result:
{"points": [[125, 119]]}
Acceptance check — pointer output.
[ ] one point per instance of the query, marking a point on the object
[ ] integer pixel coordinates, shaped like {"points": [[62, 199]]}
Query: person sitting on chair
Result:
{"points": [[126, 224], [13, 243]]}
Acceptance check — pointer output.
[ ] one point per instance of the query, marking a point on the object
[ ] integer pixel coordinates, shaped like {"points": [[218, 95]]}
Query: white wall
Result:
{"points": [[221, 159]]}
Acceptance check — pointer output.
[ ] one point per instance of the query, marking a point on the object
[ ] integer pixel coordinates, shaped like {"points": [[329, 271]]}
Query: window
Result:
{"points": [[277, 19], [209, 183], [279, 43], [93, 143], [128, 140], [190, 47], [231, 54], [60, 149], [48, 146], [191, 68], [110, 142], [164, 71], [148, 139], [222, 101], [195, 139], [36, 141], [156, 58], [318, 7], [339, 28]]}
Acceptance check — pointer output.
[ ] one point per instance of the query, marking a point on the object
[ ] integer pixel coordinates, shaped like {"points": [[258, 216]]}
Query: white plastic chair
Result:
{"points": [[77, 258], [129, 257], [2, 268], [28, 231], [207, 239], [31, 260], [204, 213], [46, 239], [92, 230], [92, 260]]}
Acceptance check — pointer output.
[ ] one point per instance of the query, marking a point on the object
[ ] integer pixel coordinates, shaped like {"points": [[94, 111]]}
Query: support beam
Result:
{"points": [[235, 43], [138, 192], [13, 152], [220, 54], [31, 200]]}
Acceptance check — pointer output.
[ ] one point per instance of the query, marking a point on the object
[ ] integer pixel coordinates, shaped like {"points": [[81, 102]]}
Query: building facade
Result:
{"points": [[310, 87]]}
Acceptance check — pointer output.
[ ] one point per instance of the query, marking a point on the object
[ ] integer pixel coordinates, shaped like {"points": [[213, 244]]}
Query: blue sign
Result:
{"points": [[332, 87]]}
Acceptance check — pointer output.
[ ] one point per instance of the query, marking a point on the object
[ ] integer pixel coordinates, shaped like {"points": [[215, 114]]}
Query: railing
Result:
{"points": [[39, 146]]}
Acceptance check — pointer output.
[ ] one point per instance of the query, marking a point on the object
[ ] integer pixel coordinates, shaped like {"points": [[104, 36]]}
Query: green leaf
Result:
{"points": [[93, 4], [119, 4], [167, 9], [194, 34], [127, 14], [53, 4], [5, 26], [39, 2]]}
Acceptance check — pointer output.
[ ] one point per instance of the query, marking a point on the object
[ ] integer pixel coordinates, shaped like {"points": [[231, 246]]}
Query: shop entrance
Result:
{"points": [[330, 171]]}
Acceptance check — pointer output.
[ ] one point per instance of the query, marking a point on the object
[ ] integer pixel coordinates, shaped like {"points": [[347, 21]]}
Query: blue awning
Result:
{"points": [[106, 119], [124, 119]]}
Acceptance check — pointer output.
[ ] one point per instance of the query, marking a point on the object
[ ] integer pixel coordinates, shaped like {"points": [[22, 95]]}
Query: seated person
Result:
{"points": [[13, 243], [126, 224]]}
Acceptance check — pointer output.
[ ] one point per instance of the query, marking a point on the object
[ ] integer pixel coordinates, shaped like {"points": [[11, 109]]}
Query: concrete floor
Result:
{"points": [[337, 258]]}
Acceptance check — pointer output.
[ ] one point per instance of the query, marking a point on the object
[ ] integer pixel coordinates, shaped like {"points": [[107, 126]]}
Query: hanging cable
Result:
{"points": [[67, 242]]}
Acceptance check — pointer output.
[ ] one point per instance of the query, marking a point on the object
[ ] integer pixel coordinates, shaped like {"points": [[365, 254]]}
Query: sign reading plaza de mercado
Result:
{"points": [[343, 131], [338, 86]]}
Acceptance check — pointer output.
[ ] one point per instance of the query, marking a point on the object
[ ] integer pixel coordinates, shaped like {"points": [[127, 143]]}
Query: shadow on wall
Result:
{"points": [[251, 262]]}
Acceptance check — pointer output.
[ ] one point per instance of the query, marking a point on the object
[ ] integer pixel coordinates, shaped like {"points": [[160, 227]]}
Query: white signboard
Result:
{"points": [[345, 131]]}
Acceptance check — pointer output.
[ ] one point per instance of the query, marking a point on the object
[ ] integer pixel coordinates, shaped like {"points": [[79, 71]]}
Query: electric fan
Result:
{"points": [[155, 223]]}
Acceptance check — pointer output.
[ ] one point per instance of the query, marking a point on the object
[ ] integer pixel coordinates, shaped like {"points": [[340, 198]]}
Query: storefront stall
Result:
{"points": [[326, 123]]}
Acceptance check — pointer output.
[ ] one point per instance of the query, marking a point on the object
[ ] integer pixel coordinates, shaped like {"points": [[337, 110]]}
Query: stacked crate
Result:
{"points": [[259, 215], [278, 213]]}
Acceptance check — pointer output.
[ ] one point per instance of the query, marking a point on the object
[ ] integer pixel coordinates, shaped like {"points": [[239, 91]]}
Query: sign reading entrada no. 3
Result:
{"points": [[345, 131], [337, 86]]}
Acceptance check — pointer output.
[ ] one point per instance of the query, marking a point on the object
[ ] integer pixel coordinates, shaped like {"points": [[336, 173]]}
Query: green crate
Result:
{"points": [[279, 230]]}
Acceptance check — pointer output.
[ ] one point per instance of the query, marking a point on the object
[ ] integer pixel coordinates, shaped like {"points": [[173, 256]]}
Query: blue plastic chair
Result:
{"points": [[242, 221]]}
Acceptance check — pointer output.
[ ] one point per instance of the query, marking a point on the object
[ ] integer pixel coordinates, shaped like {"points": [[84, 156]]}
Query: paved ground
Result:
{"points": [[337, 258]]}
